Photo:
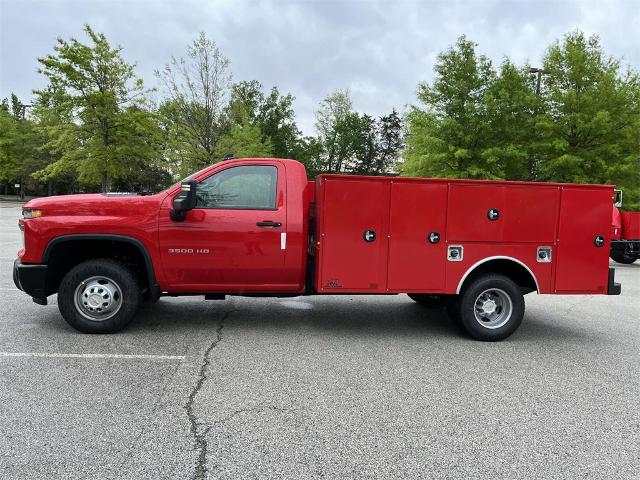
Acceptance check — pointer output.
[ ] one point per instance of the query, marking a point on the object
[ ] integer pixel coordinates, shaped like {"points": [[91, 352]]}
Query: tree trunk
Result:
{"points": [[105, 182]]}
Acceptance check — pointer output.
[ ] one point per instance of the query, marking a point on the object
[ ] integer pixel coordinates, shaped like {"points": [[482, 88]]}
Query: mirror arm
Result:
{"points": [[177, 216]]}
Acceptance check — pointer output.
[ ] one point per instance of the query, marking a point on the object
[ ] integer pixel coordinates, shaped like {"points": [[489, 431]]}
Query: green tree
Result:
{"points": [[582, 126], [272, 113], [448, 137], [108, 133], [245, 100], [510, 149], [365, 145], [276, 119], [335, 123], [9, 160], [244, 140], [198, 90], [349, 142], [57, 138], [308, 151], [391, 142], [19, 155], [592, 121]]}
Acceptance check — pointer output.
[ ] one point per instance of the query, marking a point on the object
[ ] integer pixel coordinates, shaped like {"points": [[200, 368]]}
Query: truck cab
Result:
{"points": [[246, 233]]}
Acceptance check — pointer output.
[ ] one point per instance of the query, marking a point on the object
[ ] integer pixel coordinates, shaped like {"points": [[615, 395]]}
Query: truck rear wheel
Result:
{"points": [[429, 300], [623, 257], [99, 296], [491, 308]]}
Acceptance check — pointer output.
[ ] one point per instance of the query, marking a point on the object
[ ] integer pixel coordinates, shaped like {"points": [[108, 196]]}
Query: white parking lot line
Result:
{"points": [[92, 355]]}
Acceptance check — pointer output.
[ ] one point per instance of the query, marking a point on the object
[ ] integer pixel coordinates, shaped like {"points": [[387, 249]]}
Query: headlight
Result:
{"points": [[28, 213]]}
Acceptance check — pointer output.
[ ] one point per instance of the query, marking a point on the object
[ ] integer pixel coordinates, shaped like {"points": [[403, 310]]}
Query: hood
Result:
{"points": [[93, 204]]}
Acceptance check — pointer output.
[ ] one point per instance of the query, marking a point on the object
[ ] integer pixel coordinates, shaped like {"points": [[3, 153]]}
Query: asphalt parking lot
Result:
{"points": [[332, 387]]}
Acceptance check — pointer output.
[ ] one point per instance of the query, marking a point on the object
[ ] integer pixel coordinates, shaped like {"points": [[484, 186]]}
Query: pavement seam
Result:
{"points": [[200, 437]]}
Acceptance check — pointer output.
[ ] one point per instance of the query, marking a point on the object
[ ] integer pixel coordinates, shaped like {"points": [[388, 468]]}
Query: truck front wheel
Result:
{"points": [[99, 296], [491, 308]]}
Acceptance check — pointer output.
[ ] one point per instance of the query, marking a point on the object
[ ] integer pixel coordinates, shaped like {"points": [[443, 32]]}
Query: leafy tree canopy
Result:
{"points": [[104, 132], [478, 122]]}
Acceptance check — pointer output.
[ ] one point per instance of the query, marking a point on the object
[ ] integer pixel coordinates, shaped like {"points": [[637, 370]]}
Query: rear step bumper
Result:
{"points": [[613, 288]]}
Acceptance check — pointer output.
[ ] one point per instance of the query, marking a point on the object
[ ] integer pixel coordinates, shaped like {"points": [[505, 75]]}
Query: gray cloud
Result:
{"points": [[379, 50]]}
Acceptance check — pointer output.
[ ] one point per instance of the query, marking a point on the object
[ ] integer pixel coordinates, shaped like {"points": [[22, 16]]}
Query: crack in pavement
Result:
{"points": [[200, 437]]}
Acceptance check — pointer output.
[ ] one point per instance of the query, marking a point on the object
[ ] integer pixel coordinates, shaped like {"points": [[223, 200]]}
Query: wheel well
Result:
{"points": [[503, 266], [62, 256]]}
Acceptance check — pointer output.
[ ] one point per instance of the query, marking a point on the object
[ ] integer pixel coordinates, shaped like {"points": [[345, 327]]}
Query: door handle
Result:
{"points": [[268, 223]]}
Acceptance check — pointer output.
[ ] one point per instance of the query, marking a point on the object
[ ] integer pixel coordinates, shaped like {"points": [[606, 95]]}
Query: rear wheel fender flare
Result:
{"points": [[471, 269]]}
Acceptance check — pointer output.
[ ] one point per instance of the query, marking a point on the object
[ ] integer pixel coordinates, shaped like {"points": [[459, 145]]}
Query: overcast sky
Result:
{"points": [[380, 50]]}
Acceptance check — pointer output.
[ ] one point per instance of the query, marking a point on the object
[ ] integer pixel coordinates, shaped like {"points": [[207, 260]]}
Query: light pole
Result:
{"points": [[533, 163], [539, 71], [23, 110], [23, 115]]}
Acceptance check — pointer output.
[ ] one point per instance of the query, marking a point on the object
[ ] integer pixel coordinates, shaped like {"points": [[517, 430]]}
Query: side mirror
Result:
{"points": [[185, 201], [617, 198]]}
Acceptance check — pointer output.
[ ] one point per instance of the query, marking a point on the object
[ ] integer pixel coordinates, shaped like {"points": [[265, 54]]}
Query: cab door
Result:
{"points": [[234, 240]]}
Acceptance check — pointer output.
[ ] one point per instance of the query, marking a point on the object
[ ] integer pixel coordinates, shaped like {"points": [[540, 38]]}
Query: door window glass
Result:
{"points": [[247, 187]]}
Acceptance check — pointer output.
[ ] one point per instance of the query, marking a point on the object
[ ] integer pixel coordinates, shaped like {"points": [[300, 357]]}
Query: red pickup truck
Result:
{"points": [[258, 227], [625, 236]]}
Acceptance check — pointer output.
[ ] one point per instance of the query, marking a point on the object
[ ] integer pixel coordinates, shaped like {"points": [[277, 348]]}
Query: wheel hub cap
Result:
{"points": [[98, 298], [489, 307], [492, 308]]}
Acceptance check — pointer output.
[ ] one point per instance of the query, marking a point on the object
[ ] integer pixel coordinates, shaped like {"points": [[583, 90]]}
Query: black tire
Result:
{"points": [[82, 284], [498, 293], [623, 257], [429, 300]]}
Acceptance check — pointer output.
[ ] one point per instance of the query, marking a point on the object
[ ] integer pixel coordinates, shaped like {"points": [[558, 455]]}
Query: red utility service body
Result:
{"points": [[376, 235]]}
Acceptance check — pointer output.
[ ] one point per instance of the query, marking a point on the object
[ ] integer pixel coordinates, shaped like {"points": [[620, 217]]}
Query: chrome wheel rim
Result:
{"points": [[493, 308], [98, 298]]}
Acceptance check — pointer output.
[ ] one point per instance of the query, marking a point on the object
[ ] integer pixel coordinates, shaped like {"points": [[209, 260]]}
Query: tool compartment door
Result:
{"points": [[417, 210], [348, 260], [582, 266]]}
